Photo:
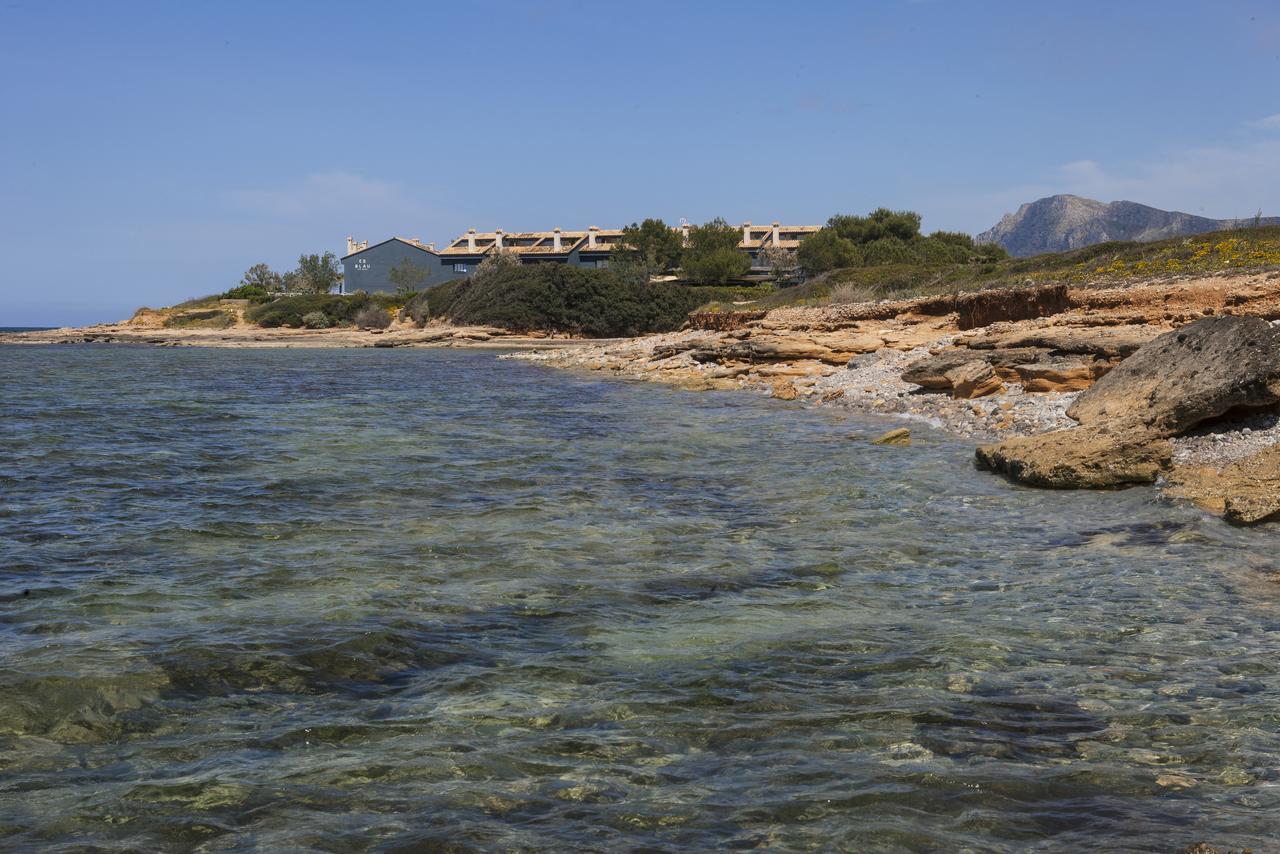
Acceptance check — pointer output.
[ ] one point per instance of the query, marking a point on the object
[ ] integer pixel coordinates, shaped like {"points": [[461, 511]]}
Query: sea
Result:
{"points": [[407, 600]]}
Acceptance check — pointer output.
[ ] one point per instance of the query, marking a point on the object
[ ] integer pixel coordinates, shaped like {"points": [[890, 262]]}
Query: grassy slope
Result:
{"points": [[1104, 265]]}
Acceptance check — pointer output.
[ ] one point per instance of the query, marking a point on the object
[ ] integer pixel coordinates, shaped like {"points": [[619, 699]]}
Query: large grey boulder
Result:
{"points": [[1189, 375]]}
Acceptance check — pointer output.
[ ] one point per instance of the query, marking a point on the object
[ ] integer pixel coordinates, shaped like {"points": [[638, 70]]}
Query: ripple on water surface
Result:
{"points": [[393, 599]]}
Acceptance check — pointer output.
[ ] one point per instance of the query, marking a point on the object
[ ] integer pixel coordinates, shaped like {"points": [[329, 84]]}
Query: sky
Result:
{"points": [[152, 152]]}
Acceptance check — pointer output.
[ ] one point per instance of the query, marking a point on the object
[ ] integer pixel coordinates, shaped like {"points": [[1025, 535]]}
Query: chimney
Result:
{"points": [[364, 244], [351, 245], [684, 233], [746, 233], [497, 237], [555, 239], [591, 237], [431, 246], [471, 239], [775, 237]]}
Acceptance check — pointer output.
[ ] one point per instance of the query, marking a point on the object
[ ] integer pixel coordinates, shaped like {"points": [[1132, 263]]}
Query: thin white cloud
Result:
{"points": [[1268, 123]]}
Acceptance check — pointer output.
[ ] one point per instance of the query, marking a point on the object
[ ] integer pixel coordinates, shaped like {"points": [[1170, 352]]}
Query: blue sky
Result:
{"points": [[153, 152]]}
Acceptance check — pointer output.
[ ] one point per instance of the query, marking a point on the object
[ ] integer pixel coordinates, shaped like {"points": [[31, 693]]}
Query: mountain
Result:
{"points": [[1059, 223]]}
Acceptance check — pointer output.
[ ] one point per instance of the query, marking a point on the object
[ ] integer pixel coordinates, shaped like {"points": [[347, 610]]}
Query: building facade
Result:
{"points": [[368, 268]]}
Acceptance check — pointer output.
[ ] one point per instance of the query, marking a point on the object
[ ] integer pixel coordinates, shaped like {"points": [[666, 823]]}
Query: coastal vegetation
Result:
{"points": [[887, 237], [207, 318], [880, 256], [563, 298], [713, 256], [315, 274], [651, 248], [1102, 265], [308, 310], [647, 249]]}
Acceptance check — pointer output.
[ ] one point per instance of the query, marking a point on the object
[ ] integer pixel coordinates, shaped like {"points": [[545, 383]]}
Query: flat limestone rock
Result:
{"points": [[1106, 342], [1245, 492], [1080, 458], [853, 343], [1189, 375]]}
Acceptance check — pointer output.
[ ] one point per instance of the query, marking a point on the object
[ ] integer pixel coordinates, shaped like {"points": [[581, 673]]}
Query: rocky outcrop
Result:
{"points": [[983, 308], [1104, 342], [1080, 458], [973, 379], [1178, 380], [1060, 358], [1061, 374], [931, 372], [1063, 222], [1245, 492], [762, 346], [1189, 375]]}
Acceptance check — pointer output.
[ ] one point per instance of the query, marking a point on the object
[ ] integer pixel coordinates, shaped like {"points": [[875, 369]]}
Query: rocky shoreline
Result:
{"points": [[1191, 411], [1174, 383], [247, 336]]}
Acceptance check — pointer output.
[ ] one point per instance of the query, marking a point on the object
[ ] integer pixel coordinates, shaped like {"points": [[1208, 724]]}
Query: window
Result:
{"points": [[459, 268]]}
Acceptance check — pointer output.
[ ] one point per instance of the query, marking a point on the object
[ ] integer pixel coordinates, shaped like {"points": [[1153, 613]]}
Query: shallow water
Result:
{"points": [[351, 599]]}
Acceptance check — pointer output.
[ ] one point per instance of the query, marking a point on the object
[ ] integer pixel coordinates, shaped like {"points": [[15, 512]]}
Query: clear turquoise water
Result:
{"points": [[405, 600]]}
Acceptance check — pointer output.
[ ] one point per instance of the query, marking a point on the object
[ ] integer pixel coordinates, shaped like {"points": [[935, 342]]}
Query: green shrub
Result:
{"points": [[565, 298], [937, 251], [441, 297], [315, 320], [717, 266], [713, 256], [372, 317], [200, 319], [646, 249], [889, 250], [877, 225], [290, 310], [826, 250], [256, 293]]}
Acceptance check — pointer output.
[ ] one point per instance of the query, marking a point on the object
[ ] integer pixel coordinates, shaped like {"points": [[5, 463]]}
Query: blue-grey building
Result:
{"points": [[368, 268]]}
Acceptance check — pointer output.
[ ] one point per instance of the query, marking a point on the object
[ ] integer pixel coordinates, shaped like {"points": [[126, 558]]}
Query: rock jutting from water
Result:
{"points": [[1175, 382]]}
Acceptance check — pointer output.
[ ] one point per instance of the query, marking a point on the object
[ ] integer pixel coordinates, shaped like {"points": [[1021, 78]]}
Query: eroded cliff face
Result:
{"points": [[1064, 222]]}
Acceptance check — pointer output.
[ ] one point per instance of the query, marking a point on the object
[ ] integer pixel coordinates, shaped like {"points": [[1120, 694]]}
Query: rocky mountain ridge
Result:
{"points": [[1063, 222]]}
